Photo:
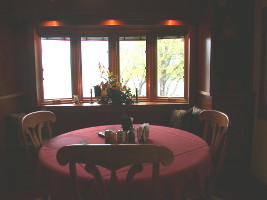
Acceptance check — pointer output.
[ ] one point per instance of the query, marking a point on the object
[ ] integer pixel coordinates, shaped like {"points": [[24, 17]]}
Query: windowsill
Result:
{"points": [[114, 107], [97, 104]]}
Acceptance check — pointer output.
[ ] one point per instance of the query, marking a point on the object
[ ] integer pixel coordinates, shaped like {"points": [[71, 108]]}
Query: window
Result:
{"points": [[133, 62], [94, 51], [55, 63], [153, 61], [170, 66]]}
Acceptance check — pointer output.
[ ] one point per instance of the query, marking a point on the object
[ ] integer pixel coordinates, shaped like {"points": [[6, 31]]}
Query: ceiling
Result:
{"points": [[36, 10]]}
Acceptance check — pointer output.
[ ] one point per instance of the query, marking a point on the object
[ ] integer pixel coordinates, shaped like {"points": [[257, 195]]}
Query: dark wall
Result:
{"points": [[11, 96], [231, 78], [233, 34], [8, 69]]}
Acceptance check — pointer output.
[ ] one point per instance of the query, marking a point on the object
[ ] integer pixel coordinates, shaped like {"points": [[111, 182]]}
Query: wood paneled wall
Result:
{"points": [[8, 75]]}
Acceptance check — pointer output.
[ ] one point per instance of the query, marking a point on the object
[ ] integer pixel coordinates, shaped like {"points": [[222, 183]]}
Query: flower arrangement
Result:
{"points": [[112, 90]]}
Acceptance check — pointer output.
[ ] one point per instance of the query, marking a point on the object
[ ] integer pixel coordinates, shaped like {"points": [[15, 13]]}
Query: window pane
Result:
{"points": [[133, 63], [170, 66], [94, 51], [56, 68]]}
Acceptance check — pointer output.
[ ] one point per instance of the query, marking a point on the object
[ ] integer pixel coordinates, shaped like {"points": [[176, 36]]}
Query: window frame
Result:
{"points": [[113, 33]]}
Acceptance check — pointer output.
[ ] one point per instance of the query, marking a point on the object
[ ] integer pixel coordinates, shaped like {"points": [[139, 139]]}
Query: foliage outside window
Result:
{"points": [[170, 66], [133, 63], [153, 62]]}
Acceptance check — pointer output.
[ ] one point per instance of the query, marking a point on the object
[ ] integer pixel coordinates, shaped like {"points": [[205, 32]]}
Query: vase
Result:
{"points": [[97, 91], [115, 96]]}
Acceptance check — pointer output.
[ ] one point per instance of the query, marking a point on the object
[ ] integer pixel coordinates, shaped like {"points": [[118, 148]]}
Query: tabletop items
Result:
{"points": [[131, 136], [143, 132], [126, 122], [127, 136]]}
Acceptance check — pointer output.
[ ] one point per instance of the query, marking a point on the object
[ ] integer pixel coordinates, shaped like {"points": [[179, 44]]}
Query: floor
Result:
{"points": [[21, 184], [239, 186]]}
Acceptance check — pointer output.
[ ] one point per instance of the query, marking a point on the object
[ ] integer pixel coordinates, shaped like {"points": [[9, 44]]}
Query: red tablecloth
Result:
{"points": [[192, 164]]}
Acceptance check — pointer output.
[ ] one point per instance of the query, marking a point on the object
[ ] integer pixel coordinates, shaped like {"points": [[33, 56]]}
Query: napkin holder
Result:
{"points": [[143, 132]]}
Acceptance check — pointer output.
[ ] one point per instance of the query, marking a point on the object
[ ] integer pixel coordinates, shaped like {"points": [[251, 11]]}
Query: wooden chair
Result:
{"points": [[114, 157], [32, 125], [215, 133], [215, 126]]}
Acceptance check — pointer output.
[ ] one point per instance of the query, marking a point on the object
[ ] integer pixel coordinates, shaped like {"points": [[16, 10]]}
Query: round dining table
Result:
{"points": [[191, 167]]}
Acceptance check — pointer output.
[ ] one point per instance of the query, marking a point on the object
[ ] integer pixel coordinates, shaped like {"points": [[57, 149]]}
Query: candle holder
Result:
{"points": [[136, 95], [76, 99], [91, 98]]}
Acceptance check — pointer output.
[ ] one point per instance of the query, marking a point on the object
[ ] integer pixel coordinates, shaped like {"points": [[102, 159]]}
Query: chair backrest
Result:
{"points": [[114, 157], [32, 125], [215, 133]]}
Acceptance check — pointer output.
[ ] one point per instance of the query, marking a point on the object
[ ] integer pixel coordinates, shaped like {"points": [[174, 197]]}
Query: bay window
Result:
{"points": [[154, 61]]}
